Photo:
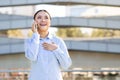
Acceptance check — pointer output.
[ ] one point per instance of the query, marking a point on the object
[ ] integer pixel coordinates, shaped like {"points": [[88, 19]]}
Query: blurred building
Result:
{"points": [[93, 59]]}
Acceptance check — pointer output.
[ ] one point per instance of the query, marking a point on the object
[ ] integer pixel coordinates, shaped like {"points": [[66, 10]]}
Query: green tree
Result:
{"points": [[3, 33], [117, 33], [61, 32], [12, 33], [97, 33], [105, 33], [69, 32], [15, 33], [30, 33]]}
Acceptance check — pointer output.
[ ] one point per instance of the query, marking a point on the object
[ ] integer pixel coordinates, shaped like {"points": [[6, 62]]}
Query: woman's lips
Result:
{"points": [[43, 24]]}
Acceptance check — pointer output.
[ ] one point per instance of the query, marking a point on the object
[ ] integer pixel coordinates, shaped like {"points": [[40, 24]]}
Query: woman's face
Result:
{"points": [[43, 20]]}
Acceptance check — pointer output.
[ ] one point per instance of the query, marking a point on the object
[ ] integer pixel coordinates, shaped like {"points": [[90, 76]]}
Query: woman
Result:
{"points": [[47, 52]]}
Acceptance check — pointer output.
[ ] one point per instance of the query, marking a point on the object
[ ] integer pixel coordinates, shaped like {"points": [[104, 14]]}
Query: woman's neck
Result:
{"points": [[43, 34]]}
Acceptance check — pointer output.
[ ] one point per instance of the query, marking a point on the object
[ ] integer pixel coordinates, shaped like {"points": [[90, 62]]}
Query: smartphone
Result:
{"points": [[35, 27]]}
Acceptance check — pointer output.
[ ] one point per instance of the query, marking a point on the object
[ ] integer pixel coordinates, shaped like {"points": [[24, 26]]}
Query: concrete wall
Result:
{"points": [[13, 61], [95, 60], [59, 2], [85, 60], [20, 22]]}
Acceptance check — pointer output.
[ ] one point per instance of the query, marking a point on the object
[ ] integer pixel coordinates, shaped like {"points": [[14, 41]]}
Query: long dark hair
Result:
{"points": [[40, 11]]}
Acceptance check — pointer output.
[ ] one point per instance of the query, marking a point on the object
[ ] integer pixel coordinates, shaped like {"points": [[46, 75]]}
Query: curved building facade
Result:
{"points": [[93, 59]]}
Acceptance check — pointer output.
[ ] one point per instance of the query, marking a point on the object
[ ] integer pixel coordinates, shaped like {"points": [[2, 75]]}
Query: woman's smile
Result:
{"points": [[43, 24]]}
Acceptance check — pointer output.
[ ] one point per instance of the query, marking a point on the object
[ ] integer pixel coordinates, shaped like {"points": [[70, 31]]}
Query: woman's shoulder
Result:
{"points": [[57, 38]]}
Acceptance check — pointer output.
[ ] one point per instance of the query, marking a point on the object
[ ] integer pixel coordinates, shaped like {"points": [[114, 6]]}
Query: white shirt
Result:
{"points": [[46, 64]]}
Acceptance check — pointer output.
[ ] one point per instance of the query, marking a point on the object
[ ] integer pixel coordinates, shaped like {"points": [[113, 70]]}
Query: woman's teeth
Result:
{"points": [[43, 24]]}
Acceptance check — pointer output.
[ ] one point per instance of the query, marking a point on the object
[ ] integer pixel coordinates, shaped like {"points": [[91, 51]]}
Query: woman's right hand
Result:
{"points": [[34, 27]]}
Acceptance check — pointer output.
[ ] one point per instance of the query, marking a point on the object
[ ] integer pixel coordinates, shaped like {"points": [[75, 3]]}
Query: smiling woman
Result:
{"points": [[47, 52], [41, 22]]}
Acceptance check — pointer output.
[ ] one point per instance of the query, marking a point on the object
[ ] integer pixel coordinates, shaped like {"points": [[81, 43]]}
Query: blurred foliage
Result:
{"points": [[69, 32], [64, 32], [3, 33], [105, 33], [17, 33], [30, 33]]}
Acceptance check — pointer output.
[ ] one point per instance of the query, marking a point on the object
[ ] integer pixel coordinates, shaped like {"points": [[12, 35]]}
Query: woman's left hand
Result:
{"points": [[49, 46]]}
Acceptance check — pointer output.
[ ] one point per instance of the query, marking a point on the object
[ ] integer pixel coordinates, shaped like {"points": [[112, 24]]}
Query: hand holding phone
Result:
{"points": [[34, 27]]}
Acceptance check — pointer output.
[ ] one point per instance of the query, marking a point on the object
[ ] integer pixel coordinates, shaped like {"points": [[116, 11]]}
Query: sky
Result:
{"points": [[55, 11]]}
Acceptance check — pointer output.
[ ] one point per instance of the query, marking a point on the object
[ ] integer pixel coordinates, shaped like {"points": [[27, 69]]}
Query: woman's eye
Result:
{"points": [[39, 17], [46, 17]]}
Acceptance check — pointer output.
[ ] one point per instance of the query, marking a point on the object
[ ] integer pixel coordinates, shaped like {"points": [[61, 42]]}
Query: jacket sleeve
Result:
{"points": [[32, 47], [62, 55]]}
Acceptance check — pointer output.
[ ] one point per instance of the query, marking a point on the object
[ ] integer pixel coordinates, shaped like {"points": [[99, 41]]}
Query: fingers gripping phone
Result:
{"points": [[36, 27]]}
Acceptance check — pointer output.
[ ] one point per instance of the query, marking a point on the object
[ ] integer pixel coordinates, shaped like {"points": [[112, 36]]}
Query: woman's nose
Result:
{"points": [[43, 19]]}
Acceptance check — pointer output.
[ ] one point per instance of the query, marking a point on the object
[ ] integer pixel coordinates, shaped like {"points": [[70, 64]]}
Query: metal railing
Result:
{"points": [[67, 74]]}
